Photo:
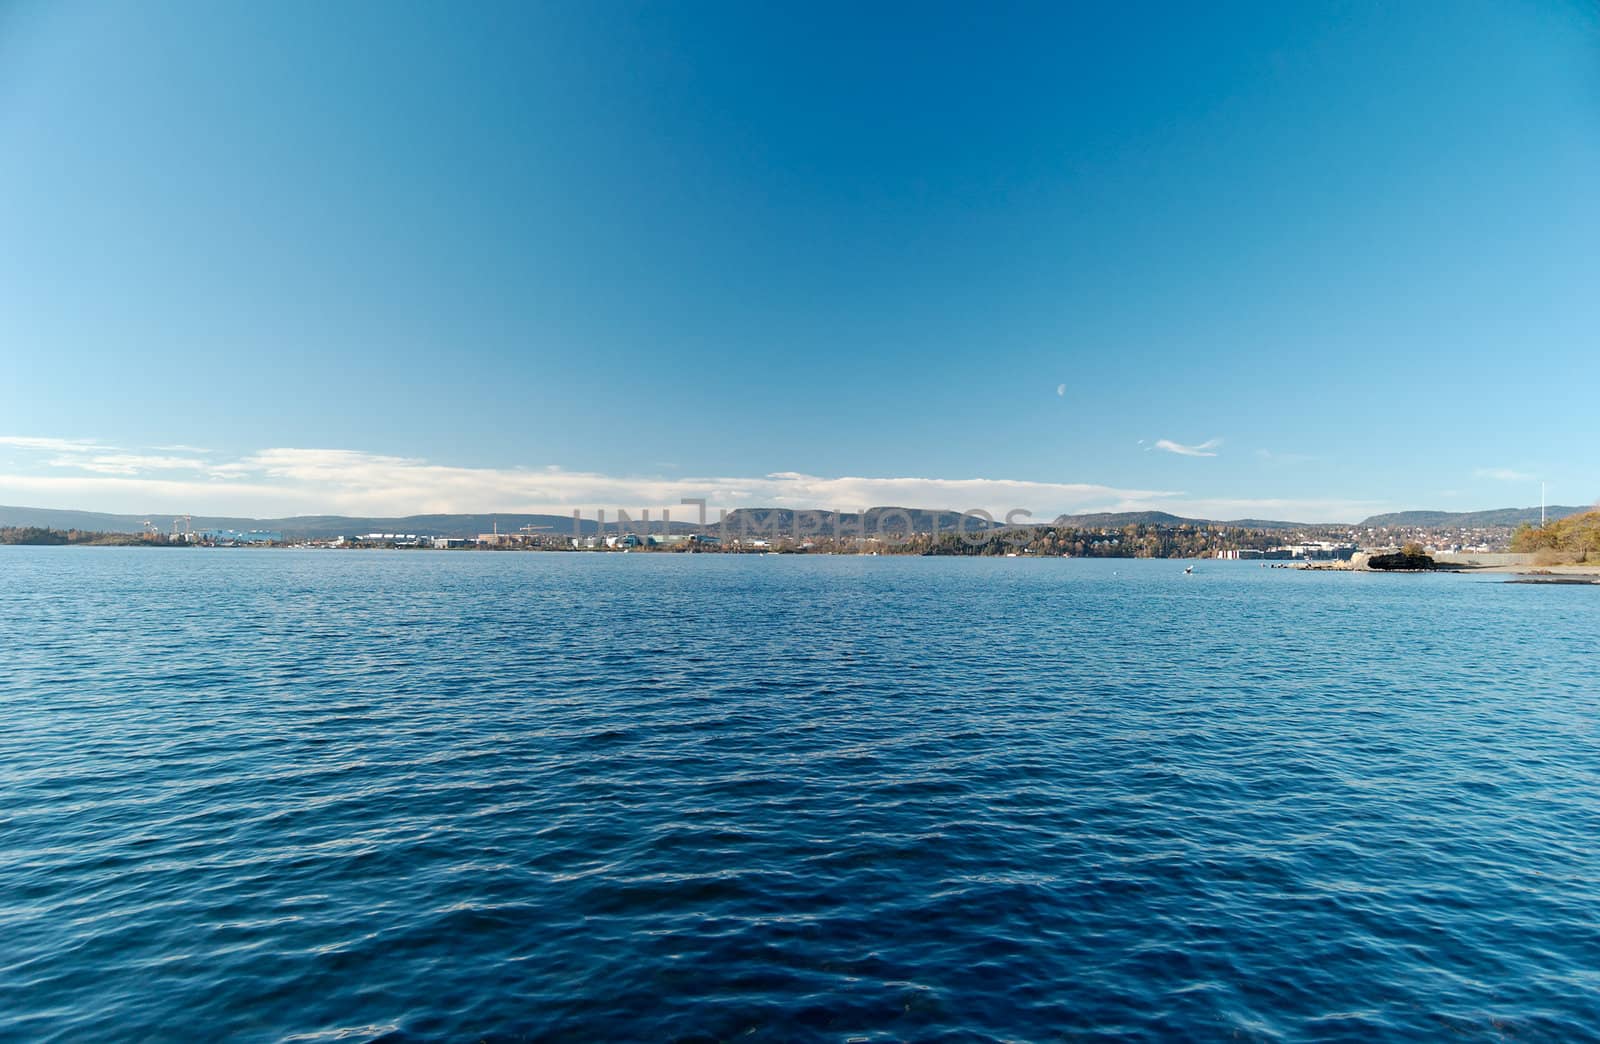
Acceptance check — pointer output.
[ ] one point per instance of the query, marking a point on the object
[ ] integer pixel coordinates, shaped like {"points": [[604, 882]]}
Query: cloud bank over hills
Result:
{"points": [[282, 481]]}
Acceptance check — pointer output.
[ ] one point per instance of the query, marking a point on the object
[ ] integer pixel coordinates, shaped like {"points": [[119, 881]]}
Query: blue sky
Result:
{"points": [[1301, 261]]}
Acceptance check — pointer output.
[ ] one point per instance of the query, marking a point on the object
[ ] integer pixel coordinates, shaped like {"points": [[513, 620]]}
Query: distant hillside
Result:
{"points": [[310, 526], [753, 520], [94, 521], [873, 520], [1497, 517], [1118, 519], [1267, 523]]}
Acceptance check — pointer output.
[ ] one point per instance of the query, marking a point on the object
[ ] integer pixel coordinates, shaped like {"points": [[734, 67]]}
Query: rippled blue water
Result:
{"points": [[274, 794]]}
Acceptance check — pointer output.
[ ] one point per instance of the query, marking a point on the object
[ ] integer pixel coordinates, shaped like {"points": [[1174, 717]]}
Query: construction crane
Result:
{"points": [[527, 534]]}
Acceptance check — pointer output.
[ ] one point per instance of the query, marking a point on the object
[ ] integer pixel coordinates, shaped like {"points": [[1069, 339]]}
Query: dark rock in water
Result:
{"points": [[1400, 560]]}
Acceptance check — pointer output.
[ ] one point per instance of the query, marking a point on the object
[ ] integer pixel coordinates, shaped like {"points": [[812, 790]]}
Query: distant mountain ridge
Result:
{"points": [[1496, 517], [310, 526], [872, 520], [1118, 519], [753, 520]]}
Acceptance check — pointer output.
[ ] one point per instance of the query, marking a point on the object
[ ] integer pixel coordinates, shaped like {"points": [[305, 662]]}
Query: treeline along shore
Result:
{"points": [[42, 536], [1574, 538], [1571, 540]]}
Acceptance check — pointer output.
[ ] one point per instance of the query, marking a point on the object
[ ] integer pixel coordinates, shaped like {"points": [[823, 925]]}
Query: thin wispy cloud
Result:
{"points": [[1504, 475], [54, 445], [100, 458], [1061, 390], [1207, 448], [128, 463]]}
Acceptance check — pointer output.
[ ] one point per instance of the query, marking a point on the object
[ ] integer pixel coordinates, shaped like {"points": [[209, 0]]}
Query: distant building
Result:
{"points": [[1312, 551], [396, 539], [237, 537], [681, 540]]}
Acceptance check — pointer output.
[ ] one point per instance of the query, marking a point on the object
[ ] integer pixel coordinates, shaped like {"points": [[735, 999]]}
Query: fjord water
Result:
{"points": [[300, 795]]}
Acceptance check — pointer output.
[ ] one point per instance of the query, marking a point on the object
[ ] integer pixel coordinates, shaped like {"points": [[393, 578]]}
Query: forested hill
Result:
{"points": [[884, 519], [1118, 519], [872, 520], [1497, 517], [314, 527]]}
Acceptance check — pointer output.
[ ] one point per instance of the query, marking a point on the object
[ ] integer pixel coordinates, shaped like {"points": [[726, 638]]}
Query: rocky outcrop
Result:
{"points": [[1399, 560]]}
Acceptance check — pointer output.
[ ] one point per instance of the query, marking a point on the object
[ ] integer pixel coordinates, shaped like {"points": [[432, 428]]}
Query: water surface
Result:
{"points": [[301, 795]]}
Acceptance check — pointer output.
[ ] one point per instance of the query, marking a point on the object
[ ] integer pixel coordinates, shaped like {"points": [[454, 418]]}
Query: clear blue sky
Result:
{"points": [[1349, 249]]}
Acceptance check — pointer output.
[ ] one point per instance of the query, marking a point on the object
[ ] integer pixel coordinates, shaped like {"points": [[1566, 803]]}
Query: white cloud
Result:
{"points": [[144, 494], [53, 445], [101, 459], [1504, 475], [1207, 448], [1061, 389], [372, 483], [290, 480], [128, 463]]}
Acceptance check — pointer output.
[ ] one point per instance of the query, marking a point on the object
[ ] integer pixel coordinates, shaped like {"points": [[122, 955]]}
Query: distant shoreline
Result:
{"points": [[1584, 574]]}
